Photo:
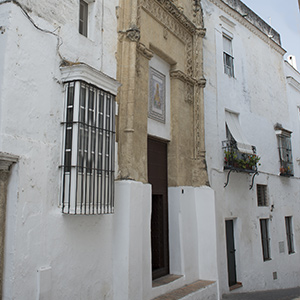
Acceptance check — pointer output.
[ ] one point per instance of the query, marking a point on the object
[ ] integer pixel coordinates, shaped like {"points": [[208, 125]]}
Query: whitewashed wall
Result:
{"points": [[258, 93], [47, 254]]}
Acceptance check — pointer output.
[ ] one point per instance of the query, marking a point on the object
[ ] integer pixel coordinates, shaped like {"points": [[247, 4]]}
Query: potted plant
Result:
{"points": [[230, 158], [252, 161]]}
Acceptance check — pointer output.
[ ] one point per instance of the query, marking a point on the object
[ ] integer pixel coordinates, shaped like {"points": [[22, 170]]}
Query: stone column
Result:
{"points": [[6, 160]]}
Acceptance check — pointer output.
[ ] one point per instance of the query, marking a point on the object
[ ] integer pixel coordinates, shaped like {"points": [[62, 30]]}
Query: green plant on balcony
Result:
{"points": [[252, 161], [230, 156], [241, 160]]}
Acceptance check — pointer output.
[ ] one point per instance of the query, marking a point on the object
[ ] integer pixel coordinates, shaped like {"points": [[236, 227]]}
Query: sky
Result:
{"points": [[284, 17]]}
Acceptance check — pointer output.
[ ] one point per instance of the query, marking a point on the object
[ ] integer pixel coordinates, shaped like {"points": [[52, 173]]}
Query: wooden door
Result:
{"points": [[158, 178], [231, 265]]}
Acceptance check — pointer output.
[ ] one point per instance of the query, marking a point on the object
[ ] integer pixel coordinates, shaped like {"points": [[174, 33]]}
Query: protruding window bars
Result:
{"points": [[89, 150]]}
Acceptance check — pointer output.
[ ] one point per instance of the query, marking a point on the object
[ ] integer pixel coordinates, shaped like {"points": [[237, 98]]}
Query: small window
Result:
{"points": [[285, 151], [83, 18], [228, 56], [265, 240], [289, 234], [262, 197]]}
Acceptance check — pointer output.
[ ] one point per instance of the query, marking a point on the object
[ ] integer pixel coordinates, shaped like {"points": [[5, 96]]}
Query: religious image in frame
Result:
{"points": [[157, 96]]}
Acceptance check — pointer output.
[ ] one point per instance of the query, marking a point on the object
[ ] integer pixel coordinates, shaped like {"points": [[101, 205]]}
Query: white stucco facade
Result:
{"points": [[51, 255], [258, 92]]}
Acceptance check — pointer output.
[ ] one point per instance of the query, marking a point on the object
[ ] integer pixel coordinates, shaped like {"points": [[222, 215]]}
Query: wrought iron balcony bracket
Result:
{"points": [[253, 172], [253, 176]]}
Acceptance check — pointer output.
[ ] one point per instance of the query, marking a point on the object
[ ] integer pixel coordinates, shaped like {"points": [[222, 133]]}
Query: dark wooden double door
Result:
{"points": [[158, 178]]}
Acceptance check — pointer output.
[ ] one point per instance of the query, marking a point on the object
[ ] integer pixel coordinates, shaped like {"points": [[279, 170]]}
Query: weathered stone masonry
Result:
{"points": [[175, 35]]}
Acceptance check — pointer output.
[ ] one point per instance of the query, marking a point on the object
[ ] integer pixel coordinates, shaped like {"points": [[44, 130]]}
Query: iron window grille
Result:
{"points": [[285, 154], [289, 234], [265, 239], [262, 195], [89, 150]]}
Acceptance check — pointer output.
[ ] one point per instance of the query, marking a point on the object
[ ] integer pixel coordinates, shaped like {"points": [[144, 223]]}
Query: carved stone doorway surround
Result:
{"points": [[160, 27], [6, 161]]}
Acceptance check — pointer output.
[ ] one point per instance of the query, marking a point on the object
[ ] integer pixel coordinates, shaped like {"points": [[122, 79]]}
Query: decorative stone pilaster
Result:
{"points": [[6, 160], [200, 176]]}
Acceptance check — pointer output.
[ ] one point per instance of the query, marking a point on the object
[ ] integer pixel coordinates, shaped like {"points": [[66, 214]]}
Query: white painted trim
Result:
{"points": [[293, 82], [227, 21], [91, 76]]}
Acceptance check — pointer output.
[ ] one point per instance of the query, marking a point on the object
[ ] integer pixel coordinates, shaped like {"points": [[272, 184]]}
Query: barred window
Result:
{"points": [[285, 151], [89, 150], [262, 196]]}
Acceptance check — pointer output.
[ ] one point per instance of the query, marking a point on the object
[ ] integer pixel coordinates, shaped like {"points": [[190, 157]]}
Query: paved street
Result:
{"points": [[286, 294]]}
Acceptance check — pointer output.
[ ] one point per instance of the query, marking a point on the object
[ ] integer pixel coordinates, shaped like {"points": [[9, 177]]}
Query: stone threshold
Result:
{"points": [[185, 290], [235, 286], [165, 280]]}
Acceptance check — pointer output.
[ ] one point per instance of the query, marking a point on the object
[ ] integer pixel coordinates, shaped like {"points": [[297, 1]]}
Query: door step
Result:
{"points": [[201, 288]]}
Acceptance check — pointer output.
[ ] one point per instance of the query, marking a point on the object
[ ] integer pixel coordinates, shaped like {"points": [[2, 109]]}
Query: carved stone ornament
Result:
{"points": [[133, 34], [170, 16], [198, 13], [189, 93], [201, 82], [146, 52], [166, 33], [177, 74]]}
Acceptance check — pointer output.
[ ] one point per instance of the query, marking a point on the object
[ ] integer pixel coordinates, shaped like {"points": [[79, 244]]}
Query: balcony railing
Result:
{"points": [[238, 161]]}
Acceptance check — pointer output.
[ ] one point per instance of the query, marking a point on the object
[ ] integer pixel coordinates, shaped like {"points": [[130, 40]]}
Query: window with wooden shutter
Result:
{"points": [[289, 235], [265, 239]]}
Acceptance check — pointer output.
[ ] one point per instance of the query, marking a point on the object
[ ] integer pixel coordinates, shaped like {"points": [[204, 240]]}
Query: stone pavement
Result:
{"points": [[284, 294]]}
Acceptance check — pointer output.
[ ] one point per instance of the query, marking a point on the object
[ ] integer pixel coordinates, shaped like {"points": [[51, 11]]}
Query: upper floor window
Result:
{"points": [[228, 55], [238, 153], [89, 143], [285, 151], [83, 17]]}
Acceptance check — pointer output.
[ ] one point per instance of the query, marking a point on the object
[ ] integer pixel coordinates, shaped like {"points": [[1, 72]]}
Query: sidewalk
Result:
{"points": [[285, 294]]}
